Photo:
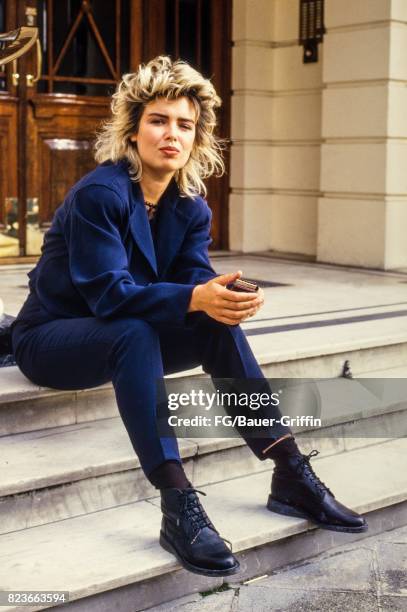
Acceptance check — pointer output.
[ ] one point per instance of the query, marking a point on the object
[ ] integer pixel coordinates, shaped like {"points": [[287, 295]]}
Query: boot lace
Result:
{"points": [[195, 514], [304, 466]]}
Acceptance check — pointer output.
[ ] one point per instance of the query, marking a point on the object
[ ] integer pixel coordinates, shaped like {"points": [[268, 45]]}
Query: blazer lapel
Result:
{"points": [[140, 229], [172, 225]]}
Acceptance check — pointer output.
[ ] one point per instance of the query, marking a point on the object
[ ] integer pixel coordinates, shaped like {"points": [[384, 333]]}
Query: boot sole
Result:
{"points": [[166, 544], [287, 510]]}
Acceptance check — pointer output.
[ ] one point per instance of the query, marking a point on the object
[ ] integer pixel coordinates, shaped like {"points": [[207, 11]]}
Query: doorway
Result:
{"points": [[53, 99]]}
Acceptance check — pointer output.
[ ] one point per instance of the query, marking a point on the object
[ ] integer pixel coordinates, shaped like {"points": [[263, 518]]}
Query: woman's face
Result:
{"points": [[166, 135]]}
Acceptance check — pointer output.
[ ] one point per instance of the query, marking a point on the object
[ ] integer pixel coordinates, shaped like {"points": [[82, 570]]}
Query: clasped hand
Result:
{"points": [[224, 305]]}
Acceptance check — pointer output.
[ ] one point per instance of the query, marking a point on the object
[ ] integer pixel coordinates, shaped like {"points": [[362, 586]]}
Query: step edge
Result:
{"points": [[262, 358]]}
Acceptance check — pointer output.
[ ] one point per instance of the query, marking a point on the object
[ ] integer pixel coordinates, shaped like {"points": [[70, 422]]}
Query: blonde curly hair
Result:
{"points": [[161, 77]]}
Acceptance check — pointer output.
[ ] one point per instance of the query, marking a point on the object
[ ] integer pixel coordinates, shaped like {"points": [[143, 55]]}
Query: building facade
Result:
{"points": [[316, 163]]}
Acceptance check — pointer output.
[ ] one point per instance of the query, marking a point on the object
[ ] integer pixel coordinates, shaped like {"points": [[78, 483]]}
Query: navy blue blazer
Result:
{"points": [[98, 257]]}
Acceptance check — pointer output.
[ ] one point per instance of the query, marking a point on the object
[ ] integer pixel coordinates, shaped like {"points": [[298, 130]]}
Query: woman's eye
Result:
{"points": [[184, 126]]}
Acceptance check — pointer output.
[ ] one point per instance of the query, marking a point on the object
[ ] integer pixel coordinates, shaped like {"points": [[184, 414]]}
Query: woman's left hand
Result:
{"points": [[260, 294]]}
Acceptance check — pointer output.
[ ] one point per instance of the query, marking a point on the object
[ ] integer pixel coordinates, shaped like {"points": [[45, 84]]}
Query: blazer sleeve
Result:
{"points": [[99, 265], [192, 264]]}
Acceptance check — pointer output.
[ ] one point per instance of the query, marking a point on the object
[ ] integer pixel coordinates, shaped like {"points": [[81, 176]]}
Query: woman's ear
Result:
{"points": [[133, 138]]}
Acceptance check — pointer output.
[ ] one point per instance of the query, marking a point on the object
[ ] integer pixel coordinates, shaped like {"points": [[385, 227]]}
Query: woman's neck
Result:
{"points": [[153, 187]]}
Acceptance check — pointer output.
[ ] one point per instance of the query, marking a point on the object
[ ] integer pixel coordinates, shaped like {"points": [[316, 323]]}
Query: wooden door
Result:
{"points": [[59, 101], [50, 113]]}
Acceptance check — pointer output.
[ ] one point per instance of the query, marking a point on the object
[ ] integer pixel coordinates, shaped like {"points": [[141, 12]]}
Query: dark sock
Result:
{"points": [[283, 450], [169, 474]]}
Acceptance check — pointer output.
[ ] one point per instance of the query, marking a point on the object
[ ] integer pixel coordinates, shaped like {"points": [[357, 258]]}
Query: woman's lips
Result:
{"points": [[171, 152]]}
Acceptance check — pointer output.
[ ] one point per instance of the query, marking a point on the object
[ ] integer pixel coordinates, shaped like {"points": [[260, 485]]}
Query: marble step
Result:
{"points": [[67, 471], [111, 559]]}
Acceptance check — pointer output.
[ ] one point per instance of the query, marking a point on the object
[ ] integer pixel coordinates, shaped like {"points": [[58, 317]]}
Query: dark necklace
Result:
{"points": [[150, 205], [151, 209]]}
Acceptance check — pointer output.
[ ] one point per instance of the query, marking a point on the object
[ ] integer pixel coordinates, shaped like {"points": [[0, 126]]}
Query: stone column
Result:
{"points": [[362, 211], [249, 201], [276, 131]]}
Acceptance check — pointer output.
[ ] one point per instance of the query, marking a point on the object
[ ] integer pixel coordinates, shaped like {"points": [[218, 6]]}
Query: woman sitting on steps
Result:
{"points": [[124, 292]]}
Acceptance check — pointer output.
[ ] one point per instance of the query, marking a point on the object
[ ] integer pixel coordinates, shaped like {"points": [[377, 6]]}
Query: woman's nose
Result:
{"points": [[172, 131]]}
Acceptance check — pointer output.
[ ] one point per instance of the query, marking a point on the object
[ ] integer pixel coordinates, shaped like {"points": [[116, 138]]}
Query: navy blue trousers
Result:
{"points": [[81, 353]]}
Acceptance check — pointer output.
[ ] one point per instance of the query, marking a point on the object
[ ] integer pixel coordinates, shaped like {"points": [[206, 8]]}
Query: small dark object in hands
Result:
{"points": [[243, 285]]}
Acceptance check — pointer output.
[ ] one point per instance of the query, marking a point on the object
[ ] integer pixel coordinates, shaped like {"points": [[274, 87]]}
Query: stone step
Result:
{"points": [[326, 360], [26, 407], [67, 471], [111, 559]]}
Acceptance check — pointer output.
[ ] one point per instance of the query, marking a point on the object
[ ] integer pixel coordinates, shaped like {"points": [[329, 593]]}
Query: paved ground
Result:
{"points": [[367, 576]]}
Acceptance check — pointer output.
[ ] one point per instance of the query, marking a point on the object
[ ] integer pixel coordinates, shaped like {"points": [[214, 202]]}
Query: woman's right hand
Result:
{"points": [[222, 304]]}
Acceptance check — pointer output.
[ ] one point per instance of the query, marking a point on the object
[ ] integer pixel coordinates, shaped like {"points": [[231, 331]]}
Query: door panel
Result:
{"points": [[60, 133], [63, 162]]}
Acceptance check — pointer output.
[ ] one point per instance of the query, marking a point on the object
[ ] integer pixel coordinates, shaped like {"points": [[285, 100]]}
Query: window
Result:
{"points": [[85, 45], [188, 32]]}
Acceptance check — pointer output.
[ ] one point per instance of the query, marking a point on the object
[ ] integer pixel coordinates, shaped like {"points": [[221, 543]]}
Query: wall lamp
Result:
{"points": [[312, 28]]}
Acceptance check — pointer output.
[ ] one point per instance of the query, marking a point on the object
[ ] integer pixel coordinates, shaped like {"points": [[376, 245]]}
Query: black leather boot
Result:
{"points": [[297, 491], [187, 533]]}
